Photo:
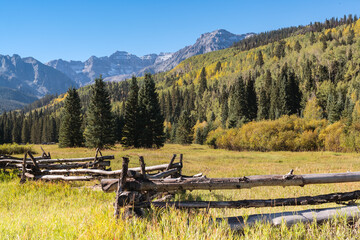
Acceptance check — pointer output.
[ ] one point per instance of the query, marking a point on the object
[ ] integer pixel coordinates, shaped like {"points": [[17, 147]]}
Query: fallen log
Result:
{"points": [[203, 183], [350, 213], [59, 177], [306, 200], [117, 173], [69, 166], [47, 161]]}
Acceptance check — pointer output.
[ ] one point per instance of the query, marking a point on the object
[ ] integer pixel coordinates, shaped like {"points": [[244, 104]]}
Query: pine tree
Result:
{"points": [[333, 114], [99, 132], [297, 46], [25, 131], [152, 122], [259, 59], [238, 107], [251, 100], [70, 134], [184, 131], [203, 81], [131, 130], [264, 105], [312, 38]]}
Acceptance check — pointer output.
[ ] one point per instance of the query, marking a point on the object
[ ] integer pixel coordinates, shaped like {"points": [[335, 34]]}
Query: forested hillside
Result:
{"points": [[311, 72]]}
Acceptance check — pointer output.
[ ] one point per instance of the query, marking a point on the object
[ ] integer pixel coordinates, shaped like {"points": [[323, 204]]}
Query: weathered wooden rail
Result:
{"points": [[135, 193]]}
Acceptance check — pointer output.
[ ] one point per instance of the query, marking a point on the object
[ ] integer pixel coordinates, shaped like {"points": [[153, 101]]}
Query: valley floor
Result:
{"points": [[44, 210]]}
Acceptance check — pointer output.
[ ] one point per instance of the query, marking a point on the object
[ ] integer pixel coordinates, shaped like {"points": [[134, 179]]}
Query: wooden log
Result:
{"points": [[48, 161], [171, 162], [306, 200], [203, 183], [59, 177], [350, 213], [121, 184], [164, 174], [72, 165]]}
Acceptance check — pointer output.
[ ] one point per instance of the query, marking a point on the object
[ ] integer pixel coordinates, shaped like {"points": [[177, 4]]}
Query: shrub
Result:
{"points": [[8, 149]]}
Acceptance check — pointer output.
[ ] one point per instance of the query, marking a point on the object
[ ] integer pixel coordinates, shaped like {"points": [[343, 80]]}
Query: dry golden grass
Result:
{"points": [[43, 210]]}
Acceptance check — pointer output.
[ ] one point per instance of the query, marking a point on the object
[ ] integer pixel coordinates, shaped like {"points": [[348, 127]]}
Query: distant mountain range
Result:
{"points": [[22, 80], [122, 65]]}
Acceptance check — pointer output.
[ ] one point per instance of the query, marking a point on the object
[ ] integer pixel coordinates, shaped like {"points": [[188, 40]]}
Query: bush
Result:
{"points": [[8, 149]]}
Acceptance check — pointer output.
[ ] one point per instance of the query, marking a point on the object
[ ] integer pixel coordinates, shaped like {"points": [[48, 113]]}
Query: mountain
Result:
{"points": [[122, 65], [208, 42], [23, 80]]}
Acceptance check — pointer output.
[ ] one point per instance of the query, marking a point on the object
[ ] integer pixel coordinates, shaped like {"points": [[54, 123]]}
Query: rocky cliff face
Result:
{"points": [[31, 76], [122, 65]]}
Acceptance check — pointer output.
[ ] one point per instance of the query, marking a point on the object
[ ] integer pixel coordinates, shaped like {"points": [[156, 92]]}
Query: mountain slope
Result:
{"points": [[121, 65], [208, 42], [30, 78]]}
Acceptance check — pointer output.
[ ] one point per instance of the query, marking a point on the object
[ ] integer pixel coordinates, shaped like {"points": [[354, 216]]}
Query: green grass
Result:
{"points": [[44, 210]]}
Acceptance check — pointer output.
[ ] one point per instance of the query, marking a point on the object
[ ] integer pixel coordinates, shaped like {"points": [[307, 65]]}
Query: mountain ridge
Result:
{"points": [[122, 65]]}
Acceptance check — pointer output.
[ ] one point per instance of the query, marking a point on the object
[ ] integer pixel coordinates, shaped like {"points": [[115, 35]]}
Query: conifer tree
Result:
{"points": [[99, 131], [25, 131], [297, 46], [184, 131], [70, 134], [131, 130], [251, 100], [152, 121], [259, 59], [203, 81], [312, 38], [238, 107], [264, 105]]}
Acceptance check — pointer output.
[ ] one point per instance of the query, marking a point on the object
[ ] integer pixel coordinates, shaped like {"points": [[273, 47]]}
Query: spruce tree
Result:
{"points": [[184, 131], [70, 134], [259, 59], [297, 46], [99, 131], [251, 100], [264, 105], [203, 81], [131, 130], [25, 131], [152, 121]]}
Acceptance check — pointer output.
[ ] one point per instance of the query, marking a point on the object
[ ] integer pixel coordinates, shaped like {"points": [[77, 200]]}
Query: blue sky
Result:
{"points": [[76, 30]]}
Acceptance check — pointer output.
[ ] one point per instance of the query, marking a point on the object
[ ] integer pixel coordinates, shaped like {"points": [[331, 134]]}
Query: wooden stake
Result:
{"points": [[23, 177], [142, 166], [34, 162], [171, 162], [122, 181]]}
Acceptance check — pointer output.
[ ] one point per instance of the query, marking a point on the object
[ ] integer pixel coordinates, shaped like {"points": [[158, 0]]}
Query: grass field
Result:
{"points": [[44, 210]]}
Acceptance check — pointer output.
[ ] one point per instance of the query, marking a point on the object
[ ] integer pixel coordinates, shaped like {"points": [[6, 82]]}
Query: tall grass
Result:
{"points": [[47, 210]]}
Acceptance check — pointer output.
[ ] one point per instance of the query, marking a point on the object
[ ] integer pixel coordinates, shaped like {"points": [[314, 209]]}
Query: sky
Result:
{"points": [[78, 29]]}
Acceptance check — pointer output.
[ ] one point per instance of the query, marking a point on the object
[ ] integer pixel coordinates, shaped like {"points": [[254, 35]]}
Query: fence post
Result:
{"points": [[122, 181]]}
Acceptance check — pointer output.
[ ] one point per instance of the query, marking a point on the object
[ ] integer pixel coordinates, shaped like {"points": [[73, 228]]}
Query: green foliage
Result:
{"points": [[131, 130], [151, 119], [70, 134], [99, 132], [184, 131], [10, 149]]}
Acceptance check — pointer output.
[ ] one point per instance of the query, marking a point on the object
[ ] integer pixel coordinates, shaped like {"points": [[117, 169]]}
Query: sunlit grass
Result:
{"points": [[45, 210]]}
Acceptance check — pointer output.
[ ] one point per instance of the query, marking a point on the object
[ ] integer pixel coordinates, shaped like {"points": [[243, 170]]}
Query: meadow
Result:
{"points": [[48, 210]]}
